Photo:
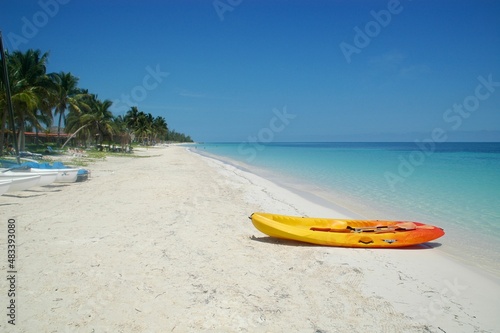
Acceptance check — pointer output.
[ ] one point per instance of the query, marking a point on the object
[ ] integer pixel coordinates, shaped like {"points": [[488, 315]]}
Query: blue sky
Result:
{"points": [[241, 70]]}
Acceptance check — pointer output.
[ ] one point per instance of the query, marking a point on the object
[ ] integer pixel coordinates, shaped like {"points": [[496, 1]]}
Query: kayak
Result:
{"points": [[346, 233]]}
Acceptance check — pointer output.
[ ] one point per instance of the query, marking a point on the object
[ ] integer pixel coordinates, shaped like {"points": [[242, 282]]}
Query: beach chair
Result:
{"points": [[30, 155]]}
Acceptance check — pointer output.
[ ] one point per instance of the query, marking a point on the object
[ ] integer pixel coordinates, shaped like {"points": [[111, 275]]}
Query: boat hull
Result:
{"points": [[4, 186], [63, 175], [46, 178], [21, 183], [346, 233]]}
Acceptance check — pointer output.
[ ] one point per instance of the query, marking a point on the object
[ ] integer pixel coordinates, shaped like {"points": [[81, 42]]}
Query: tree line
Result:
{"points": [[39, 99]]}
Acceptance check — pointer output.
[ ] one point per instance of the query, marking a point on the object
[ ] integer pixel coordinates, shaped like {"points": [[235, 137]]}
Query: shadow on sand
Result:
{"points": [[287, 242]]}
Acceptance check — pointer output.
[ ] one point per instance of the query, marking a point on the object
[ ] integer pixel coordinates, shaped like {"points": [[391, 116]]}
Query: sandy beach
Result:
{"points": [[164, 244]]}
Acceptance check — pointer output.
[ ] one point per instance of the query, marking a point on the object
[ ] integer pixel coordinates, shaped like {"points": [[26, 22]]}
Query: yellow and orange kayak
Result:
{"points": [[347, 233]]}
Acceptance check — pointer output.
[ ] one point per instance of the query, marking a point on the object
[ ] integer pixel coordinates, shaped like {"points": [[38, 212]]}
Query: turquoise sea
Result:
{"points": [[453, 185]]}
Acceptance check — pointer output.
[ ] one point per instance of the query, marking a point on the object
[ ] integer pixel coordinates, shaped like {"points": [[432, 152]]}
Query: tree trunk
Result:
{"points": [[36, 138], [2, 131], [20, 139], [73, 135], [59, 129]]}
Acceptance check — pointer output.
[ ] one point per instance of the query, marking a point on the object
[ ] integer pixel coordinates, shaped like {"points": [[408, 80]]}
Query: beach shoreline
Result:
{"points": [[344, 206], [164, 244]]}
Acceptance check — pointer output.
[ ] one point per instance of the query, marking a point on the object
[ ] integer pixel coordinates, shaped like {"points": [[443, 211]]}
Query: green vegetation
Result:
{"points": [[90, 157], [95, 155], [147, 130], [39, 99]]}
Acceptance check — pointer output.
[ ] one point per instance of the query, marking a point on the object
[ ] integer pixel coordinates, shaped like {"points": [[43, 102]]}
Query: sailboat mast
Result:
{"points": [[9, 97]]}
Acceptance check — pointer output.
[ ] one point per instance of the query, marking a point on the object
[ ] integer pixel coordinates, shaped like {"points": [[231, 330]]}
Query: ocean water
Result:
{"points": [[453, 185]]}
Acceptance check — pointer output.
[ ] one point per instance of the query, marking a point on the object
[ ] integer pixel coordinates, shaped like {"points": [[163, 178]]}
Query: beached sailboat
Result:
{"points": [[346, 233], [4, 186], [62, 175], [65, 174], [20, 183], [46, 178]]}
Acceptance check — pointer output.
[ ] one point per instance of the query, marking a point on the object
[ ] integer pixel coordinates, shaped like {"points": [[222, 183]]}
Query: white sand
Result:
{"points": [[163, 244]]}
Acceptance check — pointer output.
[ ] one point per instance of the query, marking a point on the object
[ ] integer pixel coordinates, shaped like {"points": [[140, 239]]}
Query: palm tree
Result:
{"points": [[144, 127], [99, 119], [131, 117], [160, 128], [131, 120], [121, 128], [74, 125], [31, 89], [172, 135], [68, 97], [42, 118], [35, 93]]}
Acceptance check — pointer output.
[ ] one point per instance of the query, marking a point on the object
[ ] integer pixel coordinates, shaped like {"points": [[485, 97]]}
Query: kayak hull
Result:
{"points": [[346, 233]]}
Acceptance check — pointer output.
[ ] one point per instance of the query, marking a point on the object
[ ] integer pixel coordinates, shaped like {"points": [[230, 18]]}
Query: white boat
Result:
{"points": [[20, 183], [4, 186], [63, 175], [46, 178]]}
